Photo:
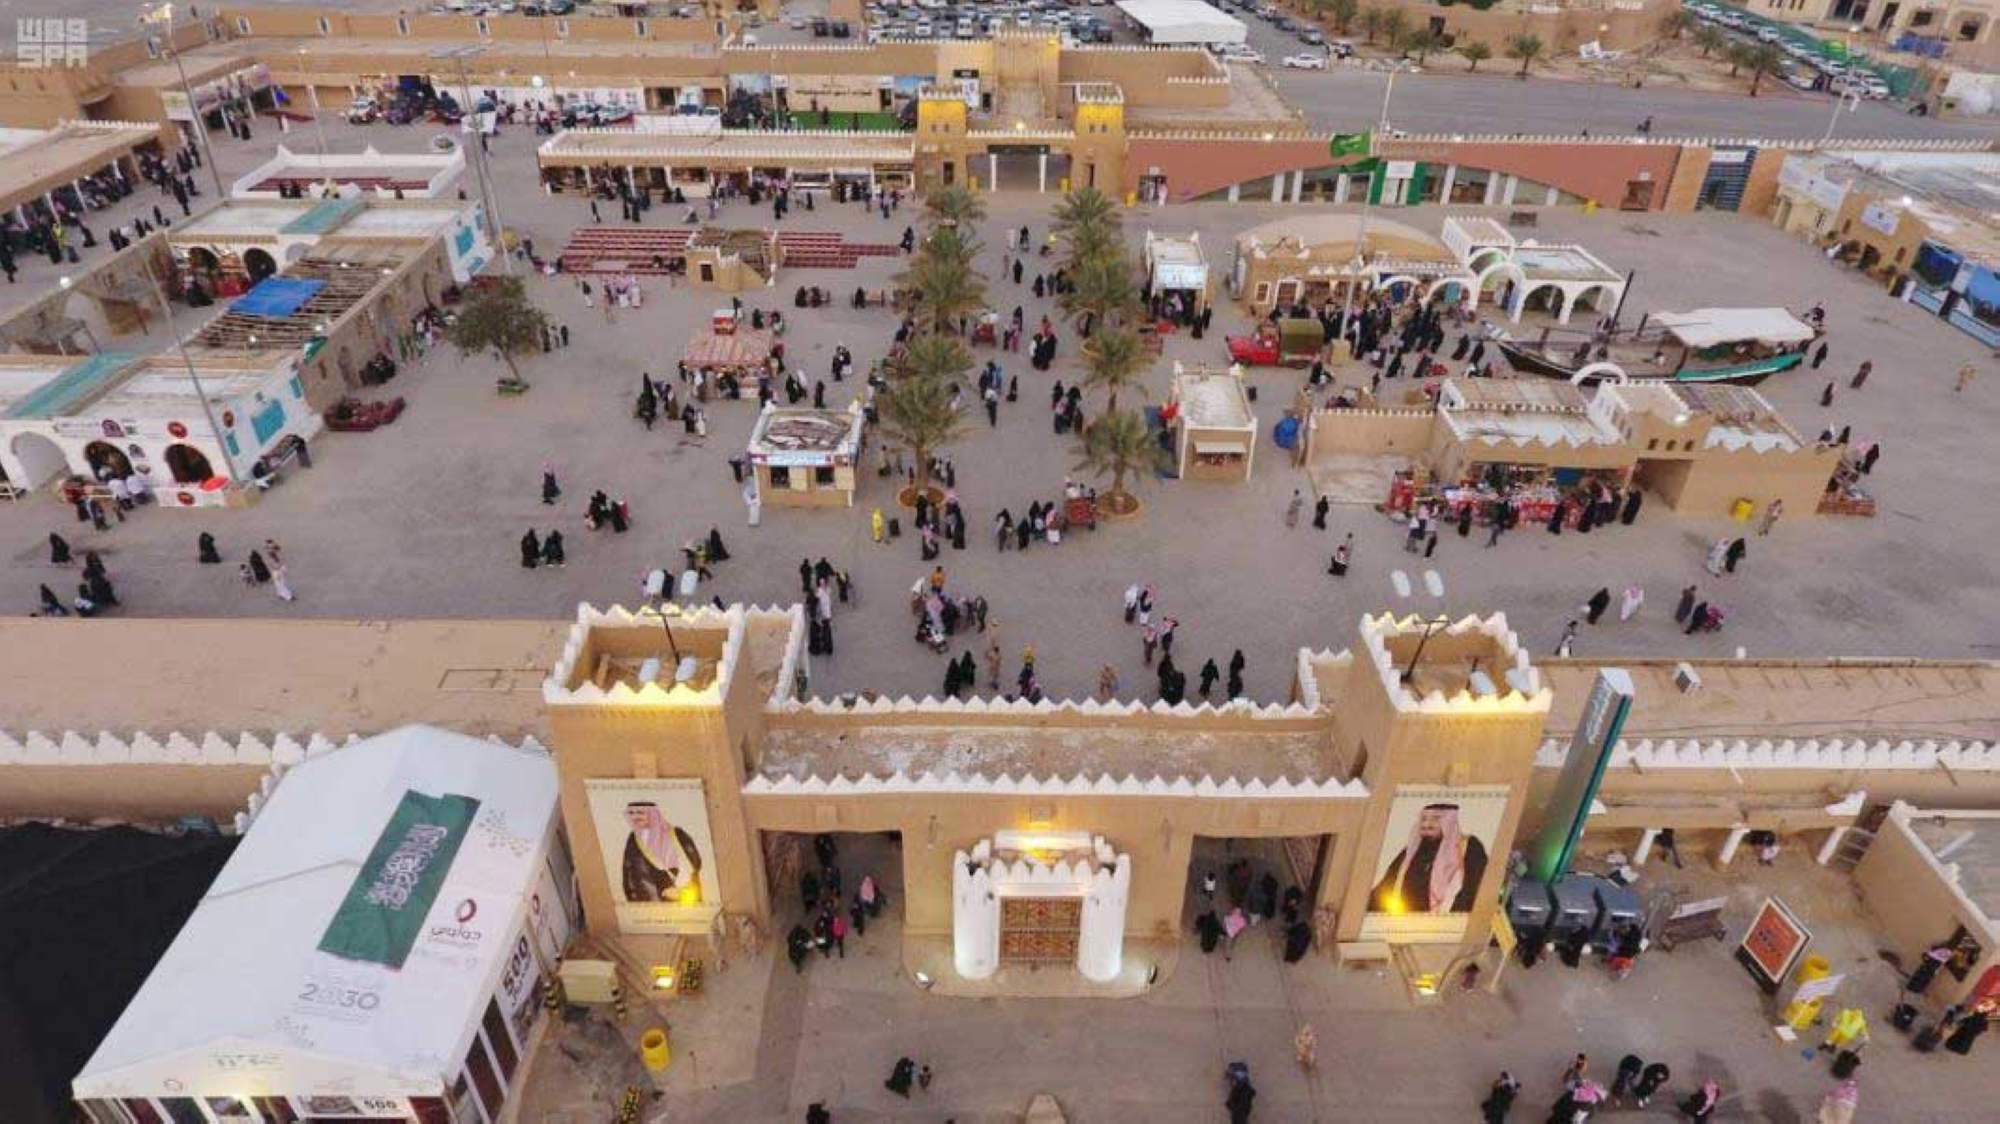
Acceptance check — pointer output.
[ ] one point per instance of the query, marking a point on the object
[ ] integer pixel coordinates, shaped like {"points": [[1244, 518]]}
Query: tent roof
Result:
{"points": [[1706, 327], [246, 979], [89, 912], [1184, 21]]}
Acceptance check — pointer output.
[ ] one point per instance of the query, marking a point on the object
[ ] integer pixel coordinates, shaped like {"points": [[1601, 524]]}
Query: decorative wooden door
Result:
{"points": [[1039, 930]]}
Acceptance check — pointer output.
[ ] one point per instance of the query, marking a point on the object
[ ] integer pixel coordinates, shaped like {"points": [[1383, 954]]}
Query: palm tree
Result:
{"points": [[916, 410], [1087, 223], [1344, 12], [1762, 59], [1675, 22], [1737, 53], [1118, 446], [1527, 48], [942, 280], [1101, 291], [953, 206], [1371, 23], [1113, 359], [1422, 41], [1710, 39], [1475, 53]]}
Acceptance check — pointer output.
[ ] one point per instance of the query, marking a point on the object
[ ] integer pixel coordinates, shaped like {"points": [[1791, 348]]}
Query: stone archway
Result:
{"points": [[1454, 290], [1495, 255], [102, 455], [259, 264], [1528, 292], [188, 464], [1592, 297], [37, 459]]}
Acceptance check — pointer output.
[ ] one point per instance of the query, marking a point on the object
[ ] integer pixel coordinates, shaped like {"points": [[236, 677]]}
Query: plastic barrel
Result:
{"points": [[1802, 1015], [654, 1050], [1741, 511]]}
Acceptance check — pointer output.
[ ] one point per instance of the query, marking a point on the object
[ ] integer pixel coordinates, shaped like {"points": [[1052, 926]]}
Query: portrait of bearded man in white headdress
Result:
{"points": [[661, 860], [1438, 870]]}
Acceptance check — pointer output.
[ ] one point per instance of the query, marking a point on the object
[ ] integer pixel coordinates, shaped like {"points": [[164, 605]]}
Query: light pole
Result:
{"points": [[194, 377], [1853, 103], [1367, 210], [164, 14], [319, 130], [1433, 585], [458, 56]]}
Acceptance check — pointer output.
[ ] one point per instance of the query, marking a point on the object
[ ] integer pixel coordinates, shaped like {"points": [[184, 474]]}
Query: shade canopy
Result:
{"points": [[1184, 21], [1707, 327]]}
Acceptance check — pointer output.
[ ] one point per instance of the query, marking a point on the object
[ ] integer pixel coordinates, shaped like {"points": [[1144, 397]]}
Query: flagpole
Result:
{"points": [[1367, 209]]}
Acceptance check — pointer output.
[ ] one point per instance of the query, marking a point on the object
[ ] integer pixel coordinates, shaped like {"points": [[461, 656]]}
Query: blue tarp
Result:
{"points": [[275, 298]]}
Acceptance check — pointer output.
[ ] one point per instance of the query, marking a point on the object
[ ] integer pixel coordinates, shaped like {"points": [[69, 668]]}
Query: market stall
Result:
{"points": [[1524, 447], [1213, 428], [1176, 277], [805, 457], [743, 352]]}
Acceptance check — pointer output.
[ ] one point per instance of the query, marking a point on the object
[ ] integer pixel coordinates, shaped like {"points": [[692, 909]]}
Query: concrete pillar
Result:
{"points": [[1340, 187], [1235, 192], [1278, 188], [1298, 185], [1554, 196], [1832, 844], [1492, 189], [1042, 172], [992, 171], [1644, 850], [1730, 844], [1507, 191], [1565, 304], [1444, 189]]}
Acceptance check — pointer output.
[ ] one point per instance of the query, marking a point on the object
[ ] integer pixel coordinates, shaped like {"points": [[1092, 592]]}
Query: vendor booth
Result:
{"points": [[804, 457], [1212, 426], [375, 948], [1176, 277], [1524, 446]]}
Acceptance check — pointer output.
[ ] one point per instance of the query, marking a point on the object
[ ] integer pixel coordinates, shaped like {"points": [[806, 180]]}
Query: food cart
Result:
{"points": [[1290, 342]]}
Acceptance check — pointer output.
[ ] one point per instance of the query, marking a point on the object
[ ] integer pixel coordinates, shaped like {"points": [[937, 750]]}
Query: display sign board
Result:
{"points": [[1597, 731], [1877, 217], [1180, 275], [658, 855], [1774, 942], [1400, 169], [1436, 848], [1826, 193], [385, 907]]}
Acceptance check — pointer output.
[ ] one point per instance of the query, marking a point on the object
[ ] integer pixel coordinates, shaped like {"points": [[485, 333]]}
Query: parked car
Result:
{"points": [[1305, 62], [1238, 53], [1341, 48], [1313, 37]]}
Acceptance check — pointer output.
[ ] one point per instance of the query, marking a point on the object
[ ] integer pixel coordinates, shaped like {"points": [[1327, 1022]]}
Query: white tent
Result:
{"points": [[1707, 327], [246, 1010], [1184, 22]]}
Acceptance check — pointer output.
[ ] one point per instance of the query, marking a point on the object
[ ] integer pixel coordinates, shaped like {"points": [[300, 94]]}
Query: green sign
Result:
{"points": [[385, 908]]}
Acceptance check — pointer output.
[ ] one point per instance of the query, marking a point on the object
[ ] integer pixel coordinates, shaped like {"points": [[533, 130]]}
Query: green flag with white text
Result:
{"points": [[385, 907], [1351, 144]]}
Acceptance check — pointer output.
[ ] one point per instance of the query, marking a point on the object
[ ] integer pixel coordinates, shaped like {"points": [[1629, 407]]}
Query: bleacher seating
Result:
{"points": [[630, 249]]}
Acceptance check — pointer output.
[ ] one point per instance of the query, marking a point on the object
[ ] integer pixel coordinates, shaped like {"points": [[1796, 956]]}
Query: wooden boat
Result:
{"points": [[1738, 346]]}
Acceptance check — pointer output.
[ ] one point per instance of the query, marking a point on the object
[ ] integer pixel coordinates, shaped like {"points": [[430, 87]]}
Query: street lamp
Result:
{"points": [[163, 14], [194, 377], [458, 56], [1434, 586], [319, 130]]}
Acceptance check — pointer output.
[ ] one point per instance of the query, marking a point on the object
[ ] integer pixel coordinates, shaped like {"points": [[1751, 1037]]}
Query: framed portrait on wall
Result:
{"points": [[658, 853]]}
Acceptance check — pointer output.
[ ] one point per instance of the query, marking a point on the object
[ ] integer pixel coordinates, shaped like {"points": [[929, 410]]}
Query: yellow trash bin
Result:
{"points": [[1741, 510], [1802, 1015], [654, 1050]]}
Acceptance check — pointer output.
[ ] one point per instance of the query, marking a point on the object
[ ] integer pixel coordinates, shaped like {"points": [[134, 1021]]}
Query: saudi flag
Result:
{"points": [[1351, 144], [385, 907]]}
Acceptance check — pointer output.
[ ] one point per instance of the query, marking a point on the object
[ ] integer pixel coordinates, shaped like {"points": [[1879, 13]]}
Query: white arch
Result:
{"points": [[1610, 289], [1506, 266], [1470, 295], [1525, 290], [37, 459], [1394, 279], [1500, 251], [1599, 370]]}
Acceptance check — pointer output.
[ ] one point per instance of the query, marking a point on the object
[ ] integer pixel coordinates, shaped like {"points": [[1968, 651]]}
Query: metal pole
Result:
{"points": [[1410, 672], [1367, 208], [1619, 312], [1838, 101], [493, 226], [208, 408], [194, 111], [319, 130]]}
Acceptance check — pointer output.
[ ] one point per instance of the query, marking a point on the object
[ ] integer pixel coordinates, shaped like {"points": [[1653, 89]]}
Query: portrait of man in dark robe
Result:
{"points": [[661, 861], [1437, 871]]}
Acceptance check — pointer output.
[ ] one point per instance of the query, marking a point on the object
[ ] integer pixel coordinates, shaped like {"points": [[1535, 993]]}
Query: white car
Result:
{"points": [[797, 22], [1305, 62], [1238, 53]]}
